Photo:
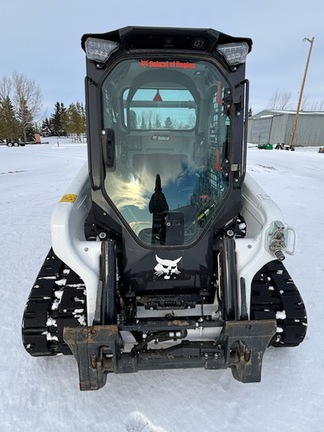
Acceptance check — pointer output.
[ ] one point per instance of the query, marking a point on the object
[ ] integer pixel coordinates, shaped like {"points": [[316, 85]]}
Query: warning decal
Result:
{"points": [[71, 198]]}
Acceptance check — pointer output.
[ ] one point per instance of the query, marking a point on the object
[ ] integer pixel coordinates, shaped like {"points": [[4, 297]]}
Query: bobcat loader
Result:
{"points": [[165, 252]]}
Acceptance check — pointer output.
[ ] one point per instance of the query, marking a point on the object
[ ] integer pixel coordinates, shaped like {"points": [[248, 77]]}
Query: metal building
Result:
{"points": [[275, 126]]}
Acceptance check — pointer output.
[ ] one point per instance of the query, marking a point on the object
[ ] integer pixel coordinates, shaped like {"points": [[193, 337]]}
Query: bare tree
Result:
{"points": [[312, 106], [5, 88], [280, 101], [305, 103], [27, 100]]}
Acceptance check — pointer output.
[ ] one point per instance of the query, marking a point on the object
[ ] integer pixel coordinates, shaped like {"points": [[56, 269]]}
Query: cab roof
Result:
{"points": [[171, 38]]}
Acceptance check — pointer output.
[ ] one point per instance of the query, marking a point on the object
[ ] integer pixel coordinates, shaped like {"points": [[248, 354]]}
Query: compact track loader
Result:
{"points": [[165, 253]]}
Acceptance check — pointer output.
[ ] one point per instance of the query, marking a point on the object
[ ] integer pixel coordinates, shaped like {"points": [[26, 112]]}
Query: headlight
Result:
{"points": [[99, 50], [234, 53]]}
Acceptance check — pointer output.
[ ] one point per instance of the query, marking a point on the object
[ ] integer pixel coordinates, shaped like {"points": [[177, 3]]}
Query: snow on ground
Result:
{"points": [[43, 394]]}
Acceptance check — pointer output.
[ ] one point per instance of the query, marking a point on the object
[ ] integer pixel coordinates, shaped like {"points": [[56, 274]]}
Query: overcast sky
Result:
{"points": [[41, 39]]}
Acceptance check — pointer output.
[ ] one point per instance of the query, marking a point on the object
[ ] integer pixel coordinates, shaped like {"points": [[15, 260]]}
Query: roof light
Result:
{"points": [[99, 49], [234, 53]]}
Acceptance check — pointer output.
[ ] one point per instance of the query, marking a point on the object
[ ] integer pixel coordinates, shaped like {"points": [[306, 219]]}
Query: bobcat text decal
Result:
{"points": [[167, 64]]}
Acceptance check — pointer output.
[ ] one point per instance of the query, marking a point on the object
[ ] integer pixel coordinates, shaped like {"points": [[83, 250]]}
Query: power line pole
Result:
{"points": [[311, 41]]}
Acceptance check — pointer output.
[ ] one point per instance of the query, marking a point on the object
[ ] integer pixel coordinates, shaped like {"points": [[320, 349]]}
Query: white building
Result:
{"points": [[276, 126]]}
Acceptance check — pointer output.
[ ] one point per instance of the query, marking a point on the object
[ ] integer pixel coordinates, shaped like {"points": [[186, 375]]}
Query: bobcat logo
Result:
{"points": [[166, 268]]}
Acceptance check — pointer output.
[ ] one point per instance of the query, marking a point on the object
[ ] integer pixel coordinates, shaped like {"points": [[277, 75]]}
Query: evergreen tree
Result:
{"points": [[80, 126], [158, 124], [168, 123], [26, 120], [150, 116], [46, 129], [57, 119], [143, 122], [10, 127], [75, 120]]}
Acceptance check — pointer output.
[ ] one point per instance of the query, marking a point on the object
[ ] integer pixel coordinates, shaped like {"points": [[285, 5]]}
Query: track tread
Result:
{"points": [[274, 295], [57, 300]]}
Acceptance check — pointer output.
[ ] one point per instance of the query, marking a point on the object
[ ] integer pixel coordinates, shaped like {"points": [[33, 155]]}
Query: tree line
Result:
{"points": [[70, 121], [21, 104], [283, 101], [20, 107]]}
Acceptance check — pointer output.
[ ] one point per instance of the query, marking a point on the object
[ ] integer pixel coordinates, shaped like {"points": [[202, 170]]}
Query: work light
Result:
{"points": [[234, 53], [99, 50]]}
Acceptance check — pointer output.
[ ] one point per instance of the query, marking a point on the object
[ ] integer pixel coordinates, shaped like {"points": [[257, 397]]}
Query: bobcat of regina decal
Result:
{"points": [[166, 268]]}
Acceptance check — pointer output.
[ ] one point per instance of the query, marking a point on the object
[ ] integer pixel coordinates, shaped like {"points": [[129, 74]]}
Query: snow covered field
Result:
{"points": [[43, 394]]}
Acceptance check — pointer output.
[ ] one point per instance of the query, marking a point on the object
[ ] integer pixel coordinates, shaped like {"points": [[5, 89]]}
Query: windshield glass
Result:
{"points": [[170, 133]]}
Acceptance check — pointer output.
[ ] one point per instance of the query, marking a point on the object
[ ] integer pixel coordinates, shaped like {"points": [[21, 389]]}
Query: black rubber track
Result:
{"points": [[274, 295], [57, 300]]}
